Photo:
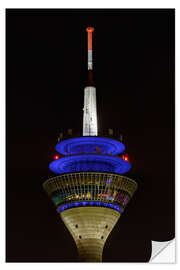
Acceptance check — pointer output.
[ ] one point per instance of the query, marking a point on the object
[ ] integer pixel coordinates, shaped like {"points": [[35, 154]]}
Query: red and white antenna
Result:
{"points": [[90, 31], [90, 111]]}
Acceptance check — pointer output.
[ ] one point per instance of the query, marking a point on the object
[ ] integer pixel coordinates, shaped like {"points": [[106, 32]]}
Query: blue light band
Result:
{"points": [[91, 204], [90, 163], [90, 145]]}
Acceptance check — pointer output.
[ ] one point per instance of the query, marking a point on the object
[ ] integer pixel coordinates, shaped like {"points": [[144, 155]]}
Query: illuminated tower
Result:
{"points": [[90, 192]]}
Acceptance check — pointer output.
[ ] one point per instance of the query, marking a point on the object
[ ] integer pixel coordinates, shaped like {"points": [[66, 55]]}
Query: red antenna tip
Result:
{"points": [[90, 29]]}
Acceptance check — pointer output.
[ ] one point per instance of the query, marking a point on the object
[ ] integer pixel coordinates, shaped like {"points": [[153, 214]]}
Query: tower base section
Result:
{"points": [[90, 227]]}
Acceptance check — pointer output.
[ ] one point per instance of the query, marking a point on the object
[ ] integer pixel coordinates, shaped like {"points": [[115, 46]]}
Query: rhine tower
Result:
{"points": [[90, 191]]}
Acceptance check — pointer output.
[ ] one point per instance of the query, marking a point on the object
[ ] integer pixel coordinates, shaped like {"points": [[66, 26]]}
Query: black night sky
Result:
{"points": [[46, 72]]}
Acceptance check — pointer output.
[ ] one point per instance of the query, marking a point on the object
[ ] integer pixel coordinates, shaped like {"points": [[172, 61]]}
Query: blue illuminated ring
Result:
{"points": [[89, 203], [89, 145], [90, 163]]}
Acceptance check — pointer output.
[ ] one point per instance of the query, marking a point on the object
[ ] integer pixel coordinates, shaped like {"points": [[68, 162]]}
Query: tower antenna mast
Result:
{"points": [[90, 31], [90, 127]]}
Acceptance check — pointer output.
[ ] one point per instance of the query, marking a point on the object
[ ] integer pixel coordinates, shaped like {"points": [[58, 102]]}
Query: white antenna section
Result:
{"points": [[90, 112]]}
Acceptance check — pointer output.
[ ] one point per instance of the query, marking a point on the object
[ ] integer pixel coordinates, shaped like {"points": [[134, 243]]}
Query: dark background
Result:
{"points": [[46, 71]]}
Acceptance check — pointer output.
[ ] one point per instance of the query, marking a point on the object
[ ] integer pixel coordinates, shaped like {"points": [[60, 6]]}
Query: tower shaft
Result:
{"points": [[90, 227]]}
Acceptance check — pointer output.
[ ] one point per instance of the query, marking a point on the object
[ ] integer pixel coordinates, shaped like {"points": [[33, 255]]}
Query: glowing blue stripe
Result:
{"points": [[89, 145], [89, 203], [90, 163]]}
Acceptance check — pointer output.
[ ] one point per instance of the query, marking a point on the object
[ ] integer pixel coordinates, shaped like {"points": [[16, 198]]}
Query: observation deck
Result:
{"points": [[90, 174], [85, 154], [90, 189], [80, 145]]}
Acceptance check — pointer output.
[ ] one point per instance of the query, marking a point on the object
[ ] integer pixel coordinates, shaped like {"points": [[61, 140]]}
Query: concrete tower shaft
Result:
{"points": [[90, 227]]}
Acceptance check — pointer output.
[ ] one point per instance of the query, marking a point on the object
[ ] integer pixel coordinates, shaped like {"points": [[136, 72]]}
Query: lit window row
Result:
{"points": [[119, 197], [79, 181], [89, 203]]}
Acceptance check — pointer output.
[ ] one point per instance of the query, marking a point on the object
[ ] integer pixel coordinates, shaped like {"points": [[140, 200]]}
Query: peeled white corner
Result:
{"points": [[163, 252]]}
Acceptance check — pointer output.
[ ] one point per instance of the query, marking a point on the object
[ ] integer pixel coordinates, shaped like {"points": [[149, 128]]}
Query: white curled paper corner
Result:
{"points": [[163, 252]]}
